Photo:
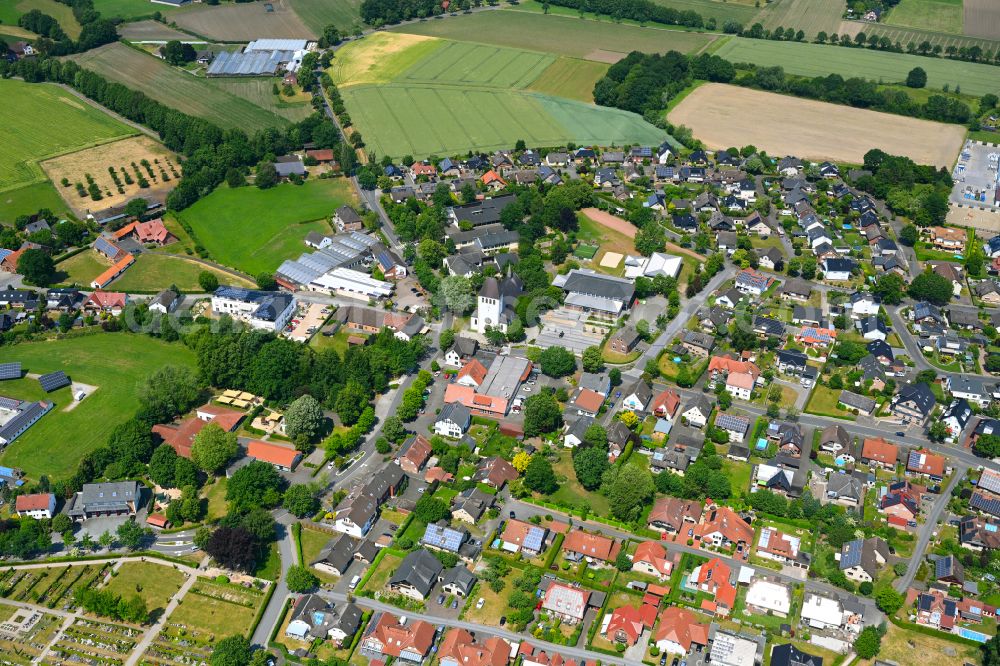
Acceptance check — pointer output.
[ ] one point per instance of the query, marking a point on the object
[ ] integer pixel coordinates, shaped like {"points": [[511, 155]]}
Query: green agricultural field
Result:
{"points": [[260, 92], [229, 225], [317, 14], [482, 119], [571, 78], [817, 60], [742, 12], [380, 57], [176, 89], [60, 12], [809, 16], [905, 36], [43, 121], [131, 9], [467, 65], [603, 41], [28, 200], [938, 15], [115, 363], [153, 272]]}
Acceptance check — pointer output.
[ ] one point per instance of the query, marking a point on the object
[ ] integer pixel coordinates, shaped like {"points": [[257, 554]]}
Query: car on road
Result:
{"points": [[480, 603], [527, 389], [440, 599], [420, 490], [900, 433], [511, 514]]}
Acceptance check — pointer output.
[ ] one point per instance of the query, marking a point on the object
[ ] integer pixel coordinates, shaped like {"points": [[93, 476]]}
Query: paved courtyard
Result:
{"points": [[976, 175]]}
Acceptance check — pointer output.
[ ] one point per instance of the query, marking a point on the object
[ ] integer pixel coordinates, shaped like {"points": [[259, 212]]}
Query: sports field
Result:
{"points": [[482, 119], [43, 120], [176, 89], [260, 92], [603, 41], [317, 14], [723, 115], [230, 225], [244, 21], [818, 60], [938, 15], [114, 362], [809, 16], [572, 78]]}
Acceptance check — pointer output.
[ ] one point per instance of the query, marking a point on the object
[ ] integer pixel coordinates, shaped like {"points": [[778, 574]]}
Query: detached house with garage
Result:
{"points": [[651, 558], [749, 281], [595, 547], [914, 403], [403, 640], [861, 560]]}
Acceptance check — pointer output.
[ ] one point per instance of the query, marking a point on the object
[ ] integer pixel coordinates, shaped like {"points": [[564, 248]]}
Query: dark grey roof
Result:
{"points": [[108, 496], [339, 553], [460, 577], [792, 357], [595, 284], [859, 402], [768, 326], [482, 212], [789, 655], [420, 570], [920, 395], [457, 413]]}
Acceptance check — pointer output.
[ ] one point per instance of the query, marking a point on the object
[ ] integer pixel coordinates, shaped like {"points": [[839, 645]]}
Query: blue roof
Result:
{"points": [[4, 253], [443, 537], [851, 554]]}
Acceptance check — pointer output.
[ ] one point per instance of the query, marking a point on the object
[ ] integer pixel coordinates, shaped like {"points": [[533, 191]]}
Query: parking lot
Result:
{"points": [[310, 317], [975, 174]]}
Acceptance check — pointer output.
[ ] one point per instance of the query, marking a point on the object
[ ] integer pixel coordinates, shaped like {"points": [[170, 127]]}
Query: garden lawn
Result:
{"points": [[154, 272], [899, 645], [155, 583], [380, 578], [81, 269], [114, 362], [215, 493], [570, 491], [270, 567], [313, 541], [739, 475], [494, 606], [229, 223], [42, 121], [823, 401]]}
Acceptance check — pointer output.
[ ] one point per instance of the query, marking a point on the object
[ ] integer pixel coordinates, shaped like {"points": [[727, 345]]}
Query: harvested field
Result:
{"points": [[140, 31], [379, 57], [937, 15], [982, 19], [810, 16], [723, 115], [572, 78], [819, 60], [244, 22], [162, 175], [260, 91], [561, 35], [43, 120], [176, 89], [317, 14]]}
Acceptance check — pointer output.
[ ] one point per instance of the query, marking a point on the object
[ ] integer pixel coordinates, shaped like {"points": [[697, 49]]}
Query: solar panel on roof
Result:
{"points": [[983, 503], [942, 567], [533, 539], [10, 370], [53, 380]]}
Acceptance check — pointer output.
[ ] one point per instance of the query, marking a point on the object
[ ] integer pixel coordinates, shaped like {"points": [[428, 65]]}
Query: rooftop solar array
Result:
{"points": [[10, 370], [53, 380], [106, 247], [533, 539], [443, 537], [942, 567], [990, 481], [9, 403], [851, 556], [987, 504], [730, 422], [344, 251]]}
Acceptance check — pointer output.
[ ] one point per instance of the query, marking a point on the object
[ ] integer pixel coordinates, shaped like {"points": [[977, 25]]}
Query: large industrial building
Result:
{"points": [[262, 57]]}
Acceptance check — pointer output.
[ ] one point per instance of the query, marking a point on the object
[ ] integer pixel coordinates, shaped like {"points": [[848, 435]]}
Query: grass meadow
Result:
{"points": [[260, 92], [938, 15], [154, 272], [44, 121], [561, 35], [739, 10], [28, 199], [229, 225], [155, 583], [818, 60], [60, 12], [116, 363], [197, 97]]}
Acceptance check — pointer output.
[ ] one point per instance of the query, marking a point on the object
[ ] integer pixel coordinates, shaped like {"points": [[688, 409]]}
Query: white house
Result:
{"points": [[769, 596], [697, 412], [264, 310], [37, 505], [637, 396], [453, 420]]}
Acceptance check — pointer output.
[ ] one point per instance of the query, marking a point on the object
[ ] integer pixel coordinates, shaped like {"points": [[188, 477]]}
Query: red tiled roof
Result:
{"points": [[879, 450], [589, 401], [474, 370], [438, 474], [667, 403], [681, 626], [158, 520], [928, 463], [107, 299], [33, 502], [655, 555], [459, 646], [276, 454], [592, 545], [394, 637]]}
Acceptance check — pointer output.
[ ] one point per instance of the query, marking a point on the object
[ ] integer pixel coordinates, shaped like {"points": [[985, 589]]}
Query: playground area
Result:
{"points": [[977, 177]]}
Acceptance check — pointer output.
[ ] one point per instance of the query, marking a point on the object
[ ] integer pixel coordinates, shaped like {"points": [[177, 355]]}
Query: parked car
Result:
{"points": [[440, 599], [454, 604]]}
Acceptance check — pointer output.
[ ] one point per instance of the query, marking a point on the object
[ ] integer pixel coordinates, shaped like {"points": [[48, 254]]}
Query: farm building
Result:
{"points": [[262, 57]]}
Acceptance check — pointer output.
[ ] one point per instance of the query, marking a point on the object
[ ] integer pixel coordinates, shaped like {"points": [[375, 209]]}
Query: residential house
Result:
{"points": [[724, 528], [666, 404], [845, 490], [413, 454], [872, 328], [713, 577], [862, 560], [699, 345], [926, 463], [627, 623], [495, 472], [901, 503], [336, 557], [567, 603], [914, 403], [749, 281], [768, 597], [791, 362], [98, 500], [637, 396], [624, 340], [838, 269], [680, 630], [774, 544], [471, 504], [856, 402], [313, 618], [789, 655], [36, 505], [651, 558], [946, 238], [833, 439], [736, 427], [416, 575], [978, 534], [459, 648], [284, 458], [697, 411], [956, 417], [453, 420], [578, 545], [674, 516], [458, 581], [876, 452], [357, 513], [519, 536], [399, 638]]}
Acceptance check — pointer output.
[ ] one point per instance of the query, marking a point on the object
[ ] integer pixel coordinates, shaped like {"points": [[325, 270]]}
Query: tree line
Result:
{"points": [[644, 83], [212, 154]]}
